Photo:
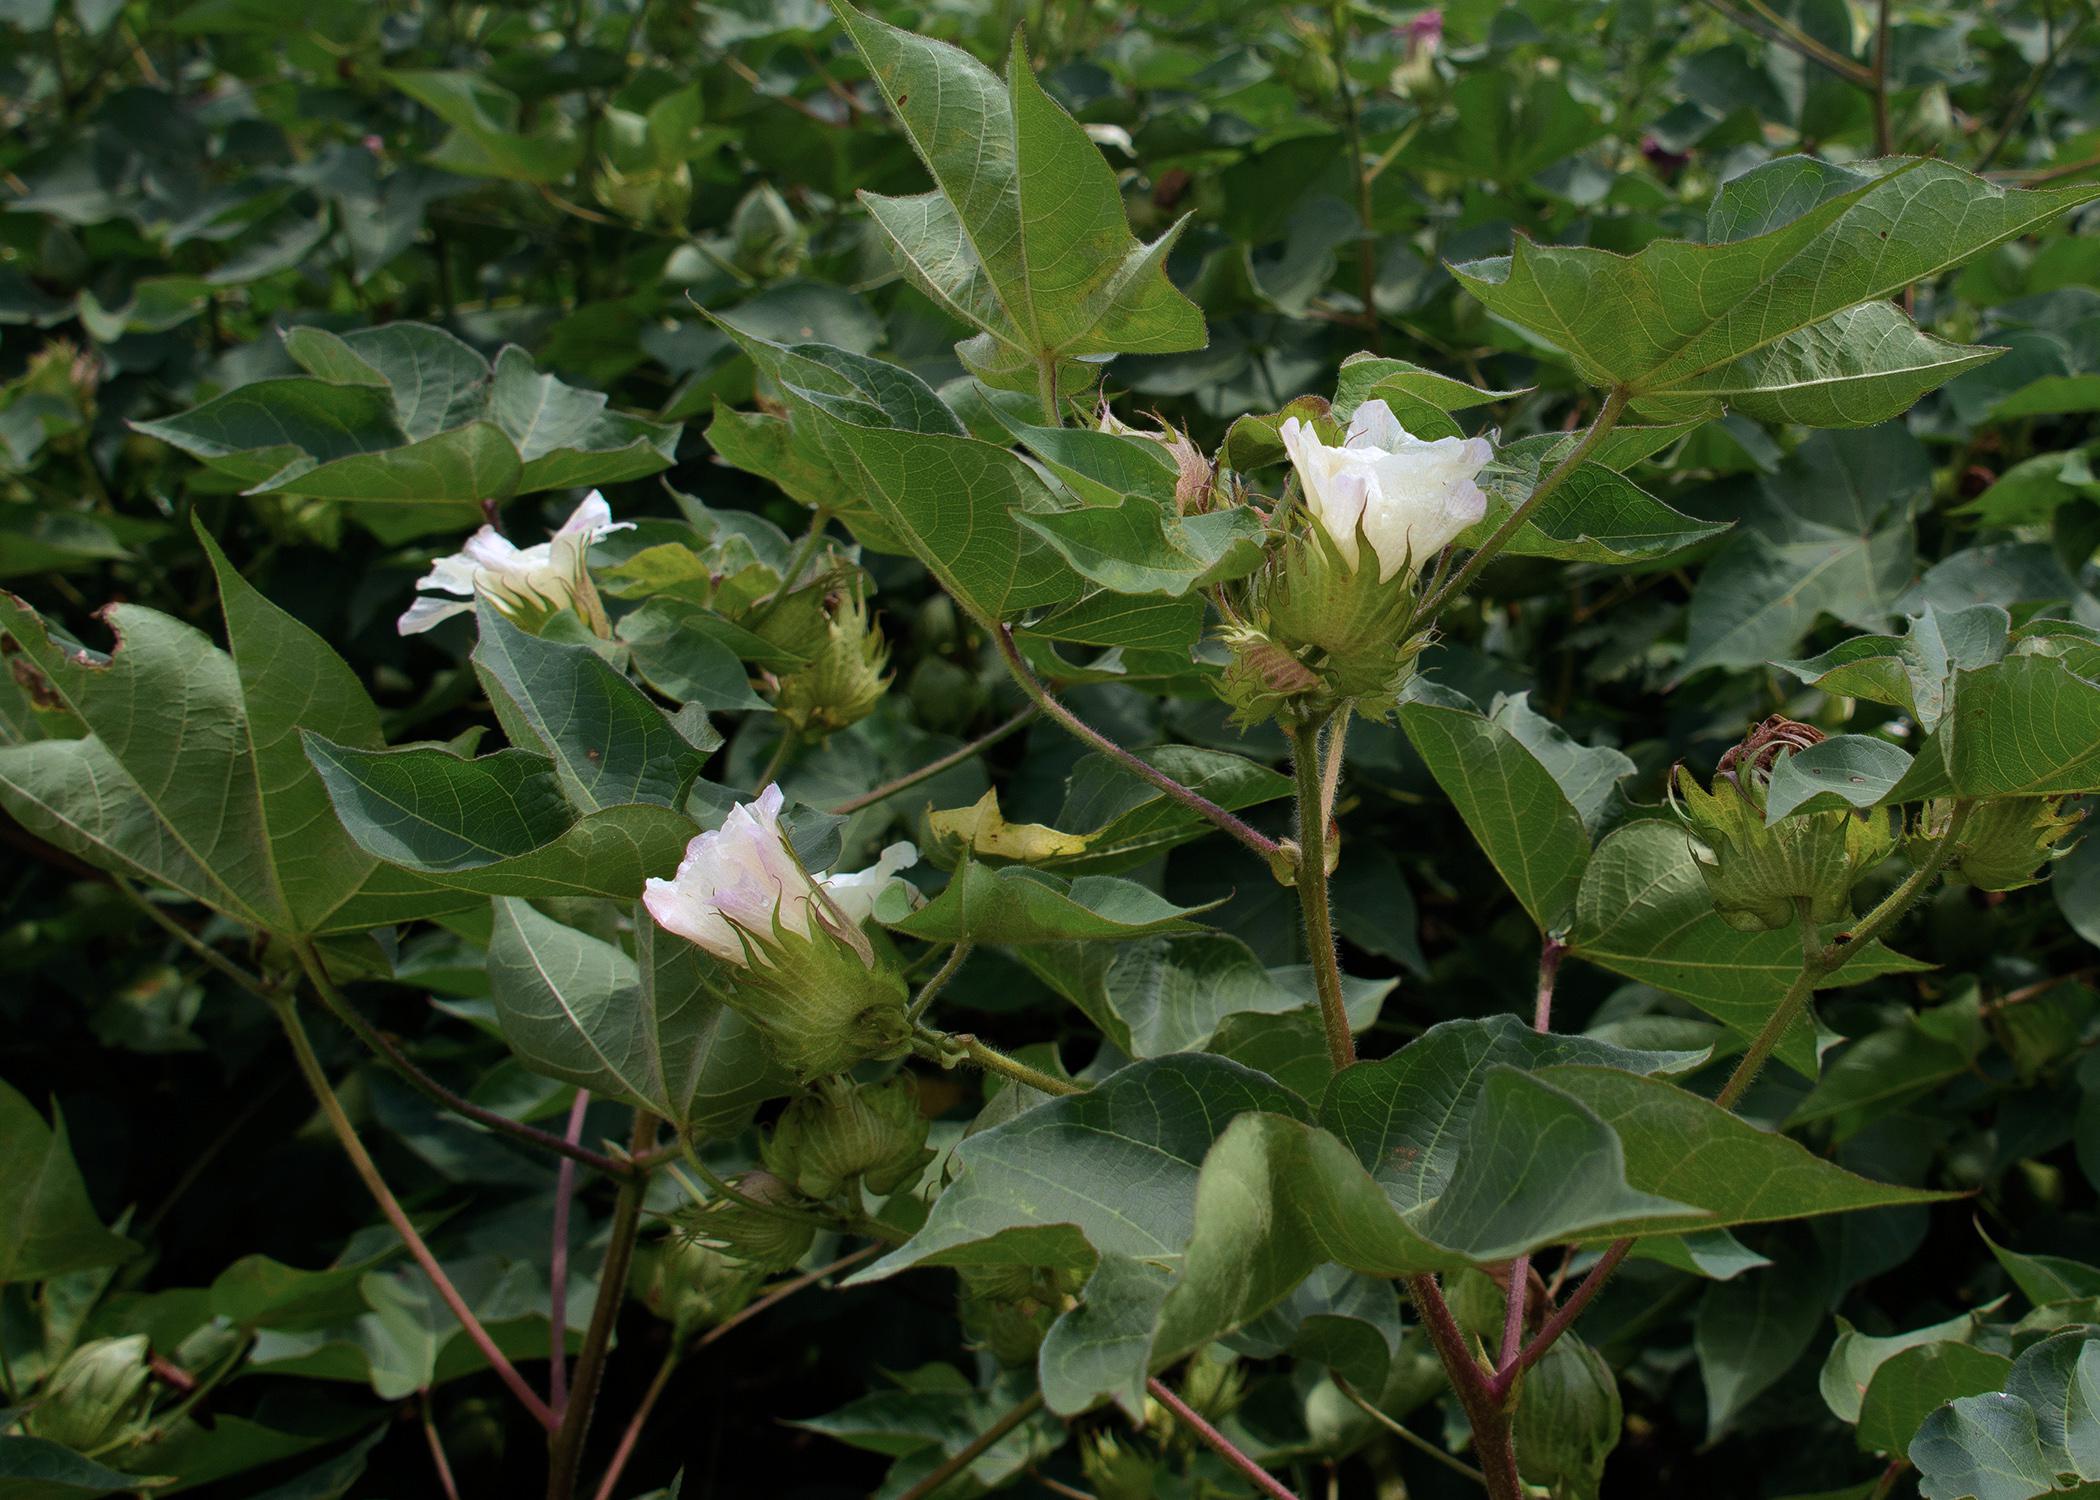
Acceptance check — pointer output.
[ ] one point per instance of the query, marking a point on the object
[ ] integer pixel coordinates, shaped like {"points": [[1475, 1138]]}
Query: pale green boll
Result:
{"points": [[94, 1394], [841, 1133], [692, 1285], [2004, 843], [766, 1241], [1758, 874]]}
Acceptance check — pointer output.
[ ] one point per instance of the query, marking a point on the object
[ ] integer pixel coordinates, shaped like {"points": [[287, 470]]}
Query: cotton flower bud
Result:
{"points": [[94, 1394], [801, 968], [846, 676], [842, 1133], [528, 584], [1115, 1470], [1213, 1383], [1331, 612], [2002, 845], [692, 1286], [764, 1240], [1759, 874]]}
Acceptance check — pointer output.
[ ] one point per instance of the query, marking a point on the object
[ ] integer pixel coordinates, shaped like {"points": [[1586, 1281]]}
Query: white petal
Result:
{"points": [[855, 895], [426, 612], [1374, 426]]}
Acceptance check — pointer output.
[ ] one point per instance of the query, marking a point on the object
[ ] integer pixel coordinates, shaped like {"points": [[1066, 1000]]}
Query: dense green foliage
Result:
{"points": [[971, 423]]}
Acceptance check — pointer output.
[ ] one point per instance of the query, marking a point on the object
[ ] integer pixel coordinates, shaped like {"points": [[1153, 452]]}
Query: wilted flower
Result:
{"points": [[543, 578], [809, 977], [1409, 498], [1759, 873]]}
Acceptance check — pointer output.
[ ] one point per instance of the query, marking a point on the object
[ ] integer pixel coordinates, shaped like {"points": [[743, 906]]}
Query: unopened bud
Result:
{"points": [[1757, 874], [846, 676], [2002, 845], [841, 1133], [692, 1285], [764, 1233], [94, 1394]]}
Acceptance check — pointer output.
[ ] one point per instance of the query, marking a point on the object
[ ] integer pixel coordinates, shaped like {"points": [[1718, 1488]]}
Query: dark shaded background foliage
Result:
{"points": [[182, 181]]}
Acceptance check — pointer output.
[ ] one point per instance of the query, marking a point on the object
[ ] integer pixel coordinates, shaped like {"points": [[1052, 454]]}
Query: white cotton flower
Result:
{"points": [[740, 883], [1412, 498], [855, 895], [550, 575]]}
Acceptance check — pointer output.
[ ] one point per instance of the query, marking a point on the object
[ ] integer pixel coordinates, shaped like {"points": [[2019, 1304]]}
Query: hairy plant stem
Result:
{"points": [[1264, 1481], [565, 1446], [367, 1169], [1312, 892], [1817, 962], [1607, 418], [975, 1448], [1189, 798], [1477, 1391], [1405, 1433], [931, 989], [934, 768], [944, 1045], [1551, 951]]}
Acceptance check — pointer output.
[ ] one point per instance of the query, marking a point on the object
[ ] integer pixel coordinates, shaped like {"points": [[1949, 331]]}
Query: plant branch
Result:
{"points": [[565, 1449], [346, 1135], [1352, 129], [1193, 800], [1312, 893], [389, 1052], [791, 572], [992, 1060], [1479, 1392], [934, 768], [950, 966], [1878, 85], [1774, 27], [438, 1460], [1816, 962], [1264, 1481], [2017, 110], [673, 1357], [1405, 1433], [974, 1449], [1607, 418], [558, 1263]]}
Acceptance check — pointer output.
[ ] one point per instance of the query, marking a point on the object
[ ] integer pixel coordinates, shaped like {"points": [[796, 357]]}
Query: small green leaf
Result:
{"points": [[1016, 905], [50, 1226]]}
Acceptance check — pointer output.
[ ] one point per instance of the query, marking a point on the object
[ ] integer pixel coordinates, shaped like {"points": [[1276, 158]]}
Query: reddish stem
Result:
{"points": [[558, 1266], [1188, 797], [1264, 1481]]}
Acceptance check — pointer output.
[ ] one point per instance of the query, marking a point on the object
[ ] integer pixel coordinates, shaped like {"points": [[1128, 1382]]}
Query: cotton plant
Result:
{"points": [[1192, 1160]]}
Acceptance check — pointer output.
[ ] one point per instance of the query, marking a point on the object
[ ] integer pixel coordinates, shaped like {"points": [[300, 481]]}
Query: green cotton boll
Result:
{"points": [[761, 1240], [841, 1134], [1567, 1420], [1214, 1384], [691, 1285], [2004, 843], [94, 1395], [764, 238], [820, 1007], [1757, 874]]}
